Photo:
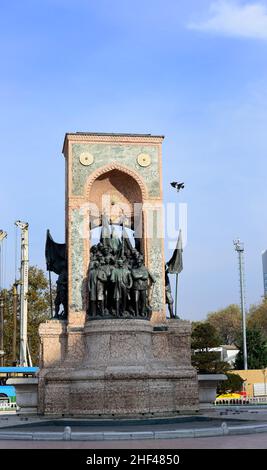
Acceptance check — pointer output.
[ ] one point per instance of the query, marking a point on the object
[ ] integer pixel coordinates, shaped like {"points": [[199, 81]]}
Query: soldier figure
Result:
{"points": [[141, 277], [93, 256], [92, 286], [168, 294], [62, 295], [121, 277], [96, 282], [118, 284]]}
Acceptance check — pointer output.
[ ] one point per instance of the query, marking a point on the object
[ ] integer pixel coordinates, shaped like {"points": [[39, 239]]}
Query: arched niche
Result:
{"points": [[116, 194]]}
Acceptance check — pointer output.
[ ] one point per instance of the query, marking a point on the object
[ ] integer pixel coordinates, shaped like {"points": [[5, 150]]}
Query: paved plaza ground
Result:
{"points": [[250, 441], [210, 419]]}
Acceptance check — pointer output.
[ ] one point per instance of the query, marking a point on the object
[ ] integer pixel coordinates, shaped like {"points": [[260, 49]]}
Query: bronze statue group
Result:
{"points": [[118, 282]]}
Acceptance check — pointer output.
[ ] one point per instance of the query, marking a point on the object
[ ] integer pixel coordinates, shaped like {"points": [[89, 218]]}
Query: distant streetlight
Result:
{"points": [[2, 306], [3, 236], [264, 371], [244, 387], [239, 248]]}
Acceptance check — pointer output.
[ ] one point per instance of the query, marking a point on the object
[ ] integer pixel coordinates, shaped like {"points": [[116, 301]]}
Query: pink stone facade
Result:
{"points": [[128, 370]]}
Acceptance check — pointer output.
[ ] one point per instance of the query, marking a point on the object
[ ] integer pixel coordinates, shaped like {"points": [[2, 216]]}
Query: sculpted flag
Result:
{"points": [[115, 241], [55, 254], [138, 245], [175, 264], [127, 247], [105, 231]]}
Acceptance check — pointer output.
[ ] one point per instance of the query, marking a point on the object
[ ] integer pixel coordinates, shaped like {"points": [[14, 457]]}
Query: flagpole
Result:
{"points": [[178, 187], [122, 237], [50, 291], [176, 295]]}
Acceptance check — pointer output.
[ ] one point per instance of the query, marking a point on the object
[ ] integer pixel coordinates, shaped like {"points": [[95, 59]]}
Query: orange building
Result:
{"points": [[255, 381]]}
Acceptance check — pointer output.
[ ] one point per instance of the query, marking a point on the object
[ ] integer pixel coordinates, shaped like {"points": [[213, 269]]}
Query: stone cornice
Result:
{"points": [[111, 138]]}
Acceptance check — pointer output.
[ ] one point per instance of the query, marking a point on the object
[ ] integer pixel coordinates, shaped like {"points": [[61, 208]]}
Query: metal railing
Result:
{"points": [[7, 406], [241, 401]]}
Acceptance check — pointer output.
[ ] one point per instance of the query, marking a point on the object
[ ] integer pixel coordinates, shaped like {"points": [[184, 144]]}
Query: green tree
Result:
{"points": [[38, 312], [234, 383], [256, 350], [257, 317], [204, 337], [227, 322]]}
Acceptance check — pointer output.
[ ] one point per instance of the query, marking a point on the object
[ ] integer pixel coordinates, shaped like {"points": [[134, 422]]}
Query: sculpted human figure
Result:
{"points": [[92, 287], [106, 251], [135, 254], [168, 294], [107, 266], [62, 295], [99, 256], [93, 251], [119, 283], [101, 283], [100, 246], [96, 282], [141, 277], [93, 256], [132, 260], [122, 280]]}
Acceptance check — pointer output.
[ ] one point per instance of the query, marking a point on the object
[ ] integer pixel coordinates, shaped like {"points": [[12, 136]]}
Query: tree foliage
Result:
{"points": [[38, 312], [233, 384], [257, 317], [227, 329], [228, 323], [256, 350], [204, 336]]}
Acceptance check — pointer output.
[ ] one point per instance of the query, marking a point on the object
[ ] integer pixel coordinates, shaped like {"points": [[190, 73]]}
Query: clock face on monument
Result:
{"points": [[86, 158], [144, 159]]}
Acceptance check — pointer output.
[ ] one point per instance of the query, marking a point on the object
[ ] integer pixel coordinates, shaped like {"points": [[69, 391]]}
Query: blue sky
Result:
{"points": [[193, 70]]}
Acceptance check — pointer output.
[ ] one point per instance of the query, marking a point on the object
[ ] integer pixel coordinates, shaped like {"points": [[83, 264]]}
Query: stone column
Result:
{"points": [[53, 347], [53, 342]]}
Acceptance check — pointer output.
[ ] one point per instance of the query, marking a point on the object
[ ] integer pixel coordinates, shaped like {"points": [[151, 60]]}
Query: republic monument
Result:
{"points": [[112, 351]]}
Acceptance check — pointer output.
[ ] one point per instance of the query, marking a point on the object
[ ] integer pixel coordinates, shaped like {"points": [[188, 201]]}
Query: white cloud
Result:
{"points": [[232, 19]]}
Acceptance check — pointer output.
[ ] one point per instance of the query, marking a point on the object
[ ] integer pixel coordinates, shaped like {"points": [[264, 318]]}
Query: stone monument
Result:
{"points": [[113, 352]]}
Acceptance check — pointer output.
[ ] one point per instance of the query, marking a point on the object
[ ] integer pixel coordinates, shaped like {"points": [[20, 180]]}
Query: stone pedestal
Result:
{"points": [[128, 369], [26, 394], [208, 384], [53, 347]]}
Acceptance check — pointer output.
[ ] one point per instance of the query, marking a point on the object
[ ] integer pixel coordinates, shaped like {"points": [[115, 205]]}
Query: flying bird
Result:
{"points": [[177, 185]]}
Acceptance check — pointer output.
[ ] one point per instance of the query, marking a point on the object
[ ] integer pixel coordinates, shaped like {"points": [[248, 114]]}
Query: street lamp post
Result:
{"points": [[239, 248], [264, 378], [2, 306], [24, 274]]}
